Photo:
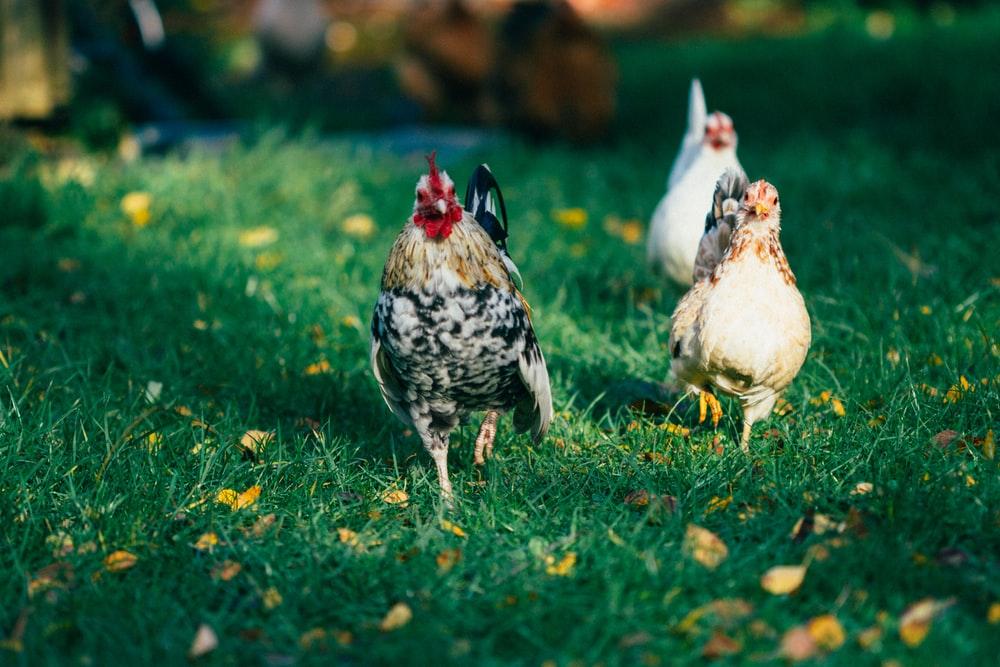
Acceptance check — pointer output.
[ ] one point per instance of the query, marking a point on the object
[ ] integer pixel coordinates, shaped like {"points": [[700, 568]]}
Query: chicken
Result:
{"points": [[451, 333], [743, 330], [707, 150]]}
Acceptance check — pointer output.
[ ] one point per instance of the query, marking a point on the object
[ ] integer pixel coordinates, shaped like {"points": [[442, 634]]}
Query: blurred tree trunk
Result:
{"points": [[34, 58]]}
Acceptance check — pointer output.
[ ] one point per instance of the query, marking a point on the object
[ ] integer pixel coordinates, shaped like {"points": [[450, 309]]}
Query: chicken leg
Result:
{"points": [[484, 441], [707, 399]]}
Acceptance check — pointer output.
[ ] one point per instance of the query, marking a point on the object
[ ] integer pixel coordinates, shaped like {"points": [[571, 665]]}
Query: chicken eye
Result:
{"points": [[421, 195], [775, 202]]}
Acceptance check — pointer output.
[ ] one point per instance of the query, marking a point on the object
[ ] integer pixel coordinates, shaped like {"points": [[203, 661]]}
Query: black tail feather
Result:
{"points": [[481, 183]]}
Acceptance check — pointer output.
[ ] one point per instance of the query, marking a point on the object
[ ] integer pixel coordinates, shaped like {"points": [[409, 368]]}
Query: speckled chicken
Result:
{"points": [[707, 150], [743, 329], [451, 334]]}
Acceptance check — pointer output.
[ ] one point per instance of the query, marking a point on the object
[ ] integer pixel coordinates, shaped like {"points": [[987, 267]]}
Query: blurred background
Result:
{"points": [[144, 75]]}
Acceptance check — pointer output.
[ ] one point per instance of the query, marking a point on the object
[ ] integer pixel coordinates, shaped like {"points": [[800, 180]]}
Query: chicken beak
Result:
{"points": [[441, 206], [760, 208]]}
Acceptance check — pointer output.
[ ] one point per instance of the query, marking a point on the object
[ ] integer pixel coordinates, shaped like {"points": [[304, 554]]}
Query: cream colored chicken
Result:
{"points": [[744, 329]]}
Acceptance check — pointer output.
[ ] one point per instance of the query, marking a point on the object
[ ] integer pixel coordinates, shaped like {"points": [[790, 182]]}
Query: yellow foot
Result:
{"points": [[708, 401]]}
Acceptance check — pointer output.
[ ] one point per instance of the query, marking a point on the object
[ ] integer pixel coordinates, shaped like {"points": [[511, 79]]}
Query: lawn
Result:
{"points": [[138, 347]]}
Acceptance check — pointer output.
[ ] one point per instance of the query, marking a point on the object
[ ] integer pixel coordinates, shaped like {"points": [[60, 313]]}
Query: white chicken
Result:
{"points": [[744, 329], [707, 150]]}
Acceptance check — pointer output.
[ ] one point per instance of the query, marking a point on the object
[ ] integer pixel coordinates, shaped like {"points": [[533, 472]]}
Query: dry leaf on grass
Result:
{"points": [[395, 497], [237, 501], [916, 621], [207, 542], [993, 613], [272, 598], [448, 558], [869, 636], [318, 368], [783, 579], [452, 528], [253, 442], [258, 237], [862, 488], [398, 616], [205, 641], [226, 570], [797, 644], [116, 561], [561, 568], [704, 546], [827, 632], [720, 645]]}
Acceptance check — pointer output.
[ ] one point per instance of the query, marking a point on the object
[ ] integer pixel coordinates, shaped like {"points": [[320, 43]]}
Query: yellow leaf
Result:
{"points": [[247, 498], [318, 368], [395, 497], [797, 644], [359, 225], [935, 360], [915, 622], [838, 407], [206, 542], [631, 232], [238, 501], [253, 441], [267, 261], [869, 636], [563, 568], [783, 579], [574, 218], [989, 446], [447, 559], [827, 632], [136, 206], [351, 321], [717, 504], [862, 488], [704, 546], [258, 237], [452, 528], [310, 638], [205, 641], [272, 598], [925, 310], [397, 617], [892, 356], [116, 561], [226, 570], [348, 537], [993, 614], [227, 497]]}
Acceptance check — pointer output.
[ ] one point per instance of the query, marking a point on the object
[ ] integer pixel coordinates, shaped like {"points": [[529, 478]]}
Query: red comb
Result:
{"points": [[434, 177]]}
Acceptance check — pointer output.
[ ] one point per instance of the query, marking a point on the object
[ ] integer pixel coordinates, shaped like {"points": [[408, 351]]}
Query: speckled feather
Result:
{"points": [[450, 335]]}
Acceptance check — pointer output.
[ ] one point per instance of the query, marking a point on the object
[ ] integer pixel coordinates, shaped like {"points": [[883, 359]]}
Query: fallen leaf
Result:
{"points": [[448, 558], [916, 621], [310, 638], [237, 501], [253, 442], [207, 542], [452, 528], [226, 570], [704, 546], [869, 636], [944, 438], [262, 525], [258, 237], [892, 355], [272, 598], [838, 407], [993, 613], [562, 568], [116, 561], [827, 632], [359, 225], [348, 537], [989, 446], [638, 498], [797, 644], [398, 616], [205, 641], [318, 368], [783, 579], [136, 206], [862, 488], [720, 645], [573, 218], [395, 497], [717, 504]]}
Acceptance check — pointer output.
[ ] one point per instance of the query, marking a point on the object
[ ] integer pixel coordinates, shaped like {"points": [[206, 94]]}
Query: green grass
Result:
{"points": [[872, 145]]}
